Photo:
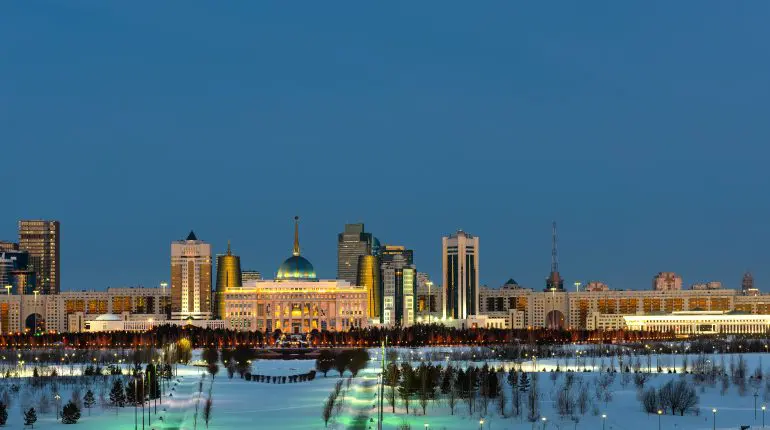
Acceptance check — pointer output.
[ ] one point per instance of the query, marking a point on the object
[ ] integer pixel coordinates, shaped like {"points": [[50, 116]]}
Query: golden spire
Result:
{"points": [[296, 236], [228, 248]]}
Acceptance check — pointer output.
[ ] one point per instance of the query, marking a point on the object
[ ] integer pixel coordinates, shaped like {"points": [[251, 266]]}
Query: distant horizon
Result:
{"points": [[640, 130], [569, 285]]}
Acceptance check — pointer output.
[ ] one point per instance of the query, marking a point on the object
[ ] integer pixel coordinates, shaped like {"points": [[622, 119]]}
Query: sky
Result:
{"points": [[641, 128]]}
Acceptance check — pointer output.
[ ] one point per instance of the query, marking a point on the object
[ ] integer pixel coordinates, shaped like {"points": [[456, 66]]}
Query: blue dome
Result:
{"points": [[296, 268]]}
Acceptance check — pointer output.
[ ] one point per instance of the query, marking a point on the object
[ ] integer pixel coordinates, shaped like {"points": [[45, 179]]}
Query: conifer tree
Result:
{"points": [[117, 394], [70, 414], [3, 414], [524, 382], [89, 400], [30, 417]]}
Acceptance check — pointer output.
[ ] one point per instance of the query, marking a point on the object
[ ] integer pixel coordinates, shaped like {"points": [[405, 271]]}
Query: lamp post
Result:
{"points": [[34, 330], [756, 394], [481, 424], [659, 414], [8, 289], [57, 397], [604, 419], [426, 426], [763, 415], [714, 411], [545, 421]]}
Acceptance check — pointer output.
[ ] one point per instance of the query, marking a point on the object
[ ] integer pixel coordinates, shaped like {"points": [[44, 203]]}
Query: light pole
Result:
{"points": [[481, 424], [714, 411], [756, 394], [763, 415], [604, 419], [426, 426], [34, 330], [545, 421], [659, 414], [57, 397], [8, 289]]}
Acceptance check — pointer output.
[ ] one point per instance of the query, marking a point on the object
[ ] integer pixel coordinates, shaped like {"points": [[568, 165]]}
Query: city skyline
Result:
{"points": [[642, 135], [270, 273]]}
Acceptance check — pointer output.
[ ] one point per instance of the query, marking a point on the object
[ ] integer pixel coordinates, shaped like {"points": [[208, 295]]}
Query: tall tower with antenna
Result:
{"points": [[554, 282]]}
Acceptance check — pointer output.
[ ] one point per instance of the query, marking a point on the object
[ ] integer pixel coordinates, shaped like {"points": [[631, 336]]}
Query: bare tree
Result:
{"points": [[583, 399], [207, 411], [533, 406], [452, 396], [327, 409], [649, 399], [501, 404]]}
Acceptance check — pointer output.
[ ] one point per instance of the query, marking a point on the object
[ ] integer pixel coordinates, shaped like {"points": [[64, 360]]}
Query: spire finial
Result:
{"points": [[228, 248], [296, 236]]}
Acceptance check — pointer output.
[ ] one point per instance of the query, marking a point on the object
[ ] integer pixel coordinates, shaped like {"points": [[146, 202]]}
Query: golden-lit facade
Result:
{"points": [[296, 306], [228, 277], [67, 311], [581, 309], [369, 278], [40, 238], [190, 278]]}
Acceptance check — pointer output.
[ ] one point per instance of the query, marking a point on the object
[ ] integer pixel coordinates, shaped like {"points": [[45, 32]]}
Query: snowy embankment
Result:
{"points": [[241, 404]]}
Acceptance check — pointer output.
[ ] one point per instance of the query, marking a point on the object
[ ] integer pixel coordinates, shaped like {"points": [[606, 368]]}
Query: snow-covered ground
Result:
{"points": [[241, 404]]}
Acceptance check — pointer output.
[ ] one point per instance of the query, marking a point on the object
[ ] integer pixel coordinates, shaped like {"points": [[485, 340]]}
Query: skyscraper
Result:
{"points": [[351, 244], [460, 270], [40, 238], [399, 281], [10, 261], [369, 278], [190, 278], [228, 277], [747, 285]]}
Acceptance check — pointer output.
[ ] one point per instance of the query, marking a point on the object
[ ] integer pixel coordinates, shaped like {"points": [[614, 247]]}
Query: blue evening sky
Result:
{"points": [[642, 128]]}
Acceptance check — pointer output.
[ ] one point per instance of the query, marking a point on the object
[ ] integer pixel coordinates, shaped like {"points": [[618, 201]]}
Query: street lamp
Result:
{"points": [[659, 414], [714, 411], [604, 419], [57, 397], [545, 421], [763, 415], [8, 289], [481, 424], [426, 426]]}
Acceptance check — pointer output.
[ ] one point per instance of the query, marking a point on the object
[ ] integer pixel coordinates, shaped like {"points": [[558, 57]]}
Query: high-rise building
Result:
{"points": [[228, 277], [369, 278], [250, 275], [667, 281], [399, 282], [11, 260], [40, 238], [351, 244], [747, 285], [460, 270], [8, 246], [387, 251], [428, 297], [23, 281], [190, 278]]}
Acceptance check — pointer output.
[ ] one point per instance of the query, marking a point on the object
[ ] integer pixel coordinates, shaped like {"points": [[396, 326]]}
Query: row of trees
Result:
{"points": [[675, 396], [352, 360], [417, 335]]}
